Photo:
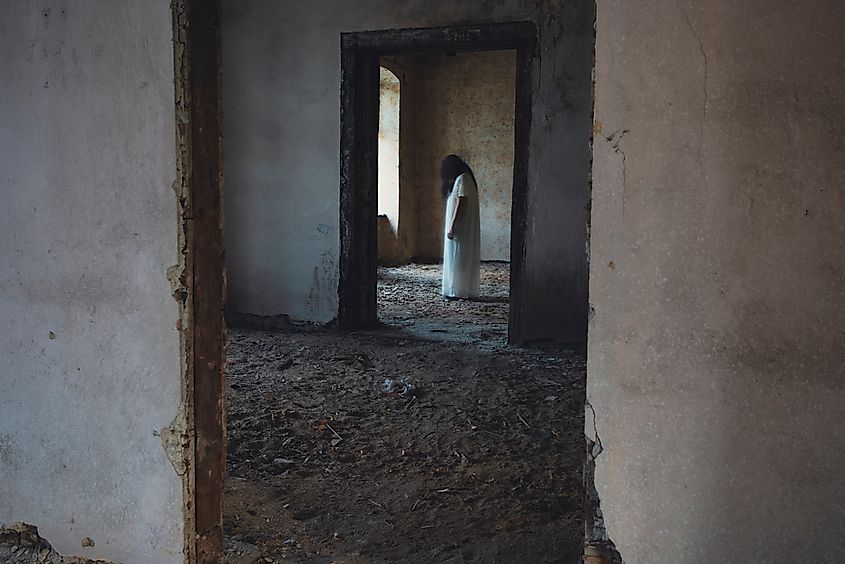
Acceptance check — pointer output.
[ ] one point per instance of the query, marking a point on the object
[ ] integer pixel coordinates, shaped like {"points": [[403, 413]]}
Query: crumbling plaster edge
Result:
{"points": [[595, 527], [24, 535], [178, 439]]}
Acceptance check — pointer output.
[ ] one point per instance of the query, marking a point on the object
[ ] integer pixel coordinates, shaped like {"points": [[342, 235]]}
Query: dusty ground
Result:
{"points": [[409, 298], [426, 441]]}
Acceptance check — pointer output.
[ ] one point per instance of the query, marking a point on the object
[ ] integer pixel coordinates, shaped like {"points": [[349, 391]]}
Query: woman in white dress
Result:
{"points": [[462, 241]]}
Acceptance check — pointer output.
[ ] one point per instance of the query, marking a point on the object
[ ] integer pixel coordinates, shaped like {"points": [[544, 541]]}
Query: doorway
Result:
{"points": [[543, 494], [431, 105], [363, 54]]}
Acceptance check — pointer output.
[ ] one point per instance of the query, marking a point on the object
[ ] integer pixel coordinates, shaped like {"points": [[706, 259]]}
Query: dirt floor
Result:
{"points": [[429, 440]]}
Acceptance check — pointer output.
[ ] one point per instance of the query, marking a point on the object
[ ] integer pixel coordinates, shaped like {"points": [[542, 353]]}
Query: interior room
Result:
{"points": [[226, 336], [427, 425]]}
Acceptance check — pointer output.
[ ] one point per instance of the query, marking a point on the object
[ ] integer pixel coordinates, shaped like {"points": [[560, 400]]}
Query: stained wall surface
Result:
{"points": [[90, 368], [282, 129], [466, 106], [716, 347]]}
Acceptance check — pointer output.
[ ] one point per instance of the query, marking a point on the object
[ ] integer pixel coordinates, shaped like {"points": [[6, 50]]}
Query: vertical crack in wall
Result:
{"points": [[706, 77], [175, 440], [598, 547], [615, 140]]}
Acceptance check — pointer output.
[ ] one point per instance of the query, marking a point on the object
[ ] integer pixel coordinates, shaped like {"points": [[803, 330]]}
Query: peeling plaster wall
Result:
{"points": [[717, 345], [466, 106], [282, 131], [90, 368]]}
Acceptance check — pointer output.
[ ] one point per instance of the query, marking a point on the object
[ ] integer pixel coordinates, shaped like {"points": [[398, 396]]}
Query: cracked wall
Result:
{"points": [[282, 127], [91, 360], [716, 346]]}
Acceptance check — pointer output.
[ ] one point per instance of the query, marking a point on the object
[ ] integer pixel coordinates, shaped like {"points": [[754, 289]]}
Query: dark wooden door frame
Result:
{"points": [[199, 278], [200, 282], [360, 52]]}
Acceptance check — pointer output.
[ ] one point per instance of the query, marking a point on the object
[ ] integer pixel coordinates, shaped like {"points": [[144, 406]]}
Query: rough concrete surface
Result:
{"points": [[716, 349], [90, 368]]}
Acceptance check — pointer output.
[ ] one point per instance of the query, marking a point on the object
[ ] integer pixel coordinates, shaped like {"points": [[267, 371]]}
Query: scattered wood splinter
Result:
{"points": [[333, 431]]}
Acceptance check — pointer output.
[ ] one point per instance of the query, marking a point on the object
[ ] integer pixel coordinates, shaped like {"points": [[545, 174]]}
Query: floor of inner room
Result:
{"points": [[427, 440]]}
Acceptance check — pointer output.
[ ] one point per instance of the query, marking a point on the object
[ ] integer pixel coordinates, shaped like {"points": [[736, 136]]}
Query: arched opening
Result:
{"points": [[388, 166]]}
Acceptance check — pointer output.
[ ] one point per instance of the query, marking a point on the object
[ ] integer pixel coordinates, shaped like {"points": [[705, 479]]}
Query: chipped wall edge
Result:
{"points": [[22, 542], [178, 439]]}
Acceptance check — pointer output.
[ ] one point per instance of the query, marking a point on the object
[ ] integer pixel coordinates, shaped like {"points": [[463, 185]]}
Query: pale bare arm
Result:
{"points": [[455, 214]]}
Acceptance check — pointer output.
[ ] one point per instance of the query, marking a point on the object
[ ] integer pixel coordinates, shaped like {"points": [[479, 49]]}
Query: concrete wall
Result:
{"points": [[716, 349], [90, 353], [282, 124], [466, 106]]}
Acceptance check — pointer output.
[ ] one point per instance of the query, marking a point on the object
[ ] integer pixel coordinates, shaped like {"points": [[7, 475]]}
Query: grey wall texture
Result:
{"points": [[716, 350], [465, 105], [90, 353], [282, 130]]}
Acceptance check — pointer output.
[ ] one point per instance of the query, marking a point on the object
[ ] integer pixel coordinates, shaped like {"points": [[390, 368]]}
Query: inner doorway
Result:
{"points": [[415, 232], [432, 105], [374, 446], [489, 444]]}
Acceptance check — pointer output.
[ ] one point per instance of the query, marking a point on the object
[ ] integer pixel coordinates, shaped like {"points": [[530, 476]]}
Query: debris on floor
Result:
{"points": [[479, 460], [21, 544]]}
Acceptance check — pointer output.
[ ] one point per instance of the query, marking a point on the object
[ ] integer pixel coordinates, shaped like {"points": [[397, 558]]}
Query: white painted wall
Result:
{"points": [[717, 347], [90, 358]]}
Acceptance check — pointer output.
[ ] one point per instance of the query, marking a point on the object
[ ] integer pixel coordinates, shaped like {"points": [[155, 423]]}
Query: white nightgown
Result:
{"points": [[462, 255]]}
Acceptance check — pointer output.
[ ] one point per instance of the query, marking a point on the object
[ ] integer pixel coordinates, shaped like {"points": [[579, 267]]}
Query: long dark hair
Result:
{"points": [[450, 169]]}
